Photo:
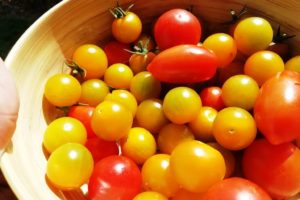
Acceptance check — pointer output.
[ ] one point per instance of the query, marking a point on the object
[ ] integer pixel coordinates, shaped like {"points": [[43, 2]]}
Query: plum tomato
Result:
{"points": [[115, 177], [293, 64], [116, 53], [212, 97], [197, 166], [118, 76], [273, 167], [93, 91], [150, 196], [171, 28]]}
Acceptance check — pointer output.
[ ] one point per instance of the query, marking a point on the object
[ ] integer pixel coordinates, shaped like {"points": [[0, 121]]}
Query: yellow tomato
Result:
{"points": [[93, 92], [150, 196], [183, 194], [118, 76], [293, 64]]}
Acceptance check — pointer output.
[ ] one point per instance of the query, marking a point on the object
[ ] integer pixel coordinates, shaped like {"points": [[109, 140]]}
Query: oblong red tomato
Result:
{"points": [[184, 64]]}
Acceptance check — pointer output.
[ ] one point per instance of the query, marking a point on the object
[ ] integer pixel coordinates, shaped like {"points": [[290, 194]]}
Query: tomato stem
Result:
{"points": [[281, 36], [118, 12], [76, 71], [237, 16]]}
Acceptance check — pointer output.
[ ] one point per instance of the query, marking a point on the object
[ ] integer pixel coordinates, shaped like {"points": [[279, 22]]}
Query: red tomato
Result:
{"points": [[236, 188], [273, 167], [184, 64], [115, 52], [115, 177], [83, 114], [277, 109], [176, 26], [212, 96]]}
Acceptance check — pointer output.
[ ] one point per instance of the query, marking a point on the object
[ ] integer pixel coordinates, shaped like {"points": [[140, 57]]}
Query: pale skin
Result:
{"points": [[9, 106]]}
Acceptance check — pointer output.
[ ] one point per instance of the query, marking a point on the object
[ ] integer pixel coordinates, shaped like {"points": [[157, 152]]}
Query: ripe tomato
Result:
{"points": [[64, 130], [234, 128], [70, 166], [150, 196], [274, 167], [184, 64], [293, 64], [263, 65], [253, 34], [92, 59], [236, 189], [118, 76], [116, 53], [197, 166], [138, 62], [212, 97], [157, 176], [298, 142], [62, 90], [171, 29], [223, 45], [277, 108], [93, 91], [183, 194]]}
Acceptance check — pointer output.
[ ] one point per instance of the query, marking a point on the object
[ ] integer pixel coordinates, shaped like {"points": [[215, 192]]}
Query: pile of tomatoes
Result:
{"points": [[156, 116]]}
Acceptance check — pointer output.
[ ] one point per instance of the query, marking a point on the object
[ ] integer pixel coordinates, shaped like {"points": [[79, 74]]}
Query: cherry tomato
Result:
{"points": [[138, 62], [171, 29], [240, 91], [253, 34], [150, 196], [263, 65], [183, 194], [111, 121], [93, 91], [181, 105], [235, 189], [274, 167], [92, 59], [115, 177], [116, 53], [64, 130], [212, 97], [223, 45], [118, 76], [70, 166], [171, 135], [293, 64], [62, 90], [298, 142], [234, 68], [145, 40], [184, 64], [197, 166], [138, 145], [157, 176], [277, 108]]}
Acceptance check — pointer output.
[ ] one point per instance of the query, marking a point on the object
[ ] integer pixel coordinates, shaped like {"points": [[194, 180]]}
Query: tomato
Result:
{"points": [[93, 91], [150, 196], [184, 64], [235, 189], [223, 45], [183, 194], [111, 120], [171, 29], [212, 97], [115, 177], [234, 128], [100, 148], [197, 166], [138, 145], [293, 64], [145, 40], [274, 167], [253, 34], [116, 53], [181, 105], [298, 142], [138, 62], [62, 90], [64, 130], [157, 176], [171, 135], [70, 166], [118, 76], [263, 65], [277, 108], [92, 59], [240, 91]]}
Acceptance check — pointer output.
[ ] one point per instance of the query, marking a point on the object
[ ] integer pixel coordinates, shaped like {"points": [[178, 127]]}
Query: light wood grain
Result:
{"points": [[40, 53]]}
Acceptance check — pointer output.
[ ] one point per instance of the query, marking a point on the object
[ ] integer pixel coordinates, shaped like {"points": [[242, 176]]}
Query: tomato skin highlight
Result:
{"points": [[184, 64]]}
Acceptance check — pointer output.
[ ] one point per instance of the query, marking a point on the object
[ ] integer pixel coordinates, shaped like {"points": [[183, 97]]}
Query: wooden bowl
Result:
{"points": [[41, 51]]}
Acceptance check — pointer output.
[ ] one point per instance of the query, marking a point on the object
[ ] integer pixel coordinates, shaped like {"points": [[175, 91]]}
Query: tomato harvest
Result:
{"points": [[184, 64]]}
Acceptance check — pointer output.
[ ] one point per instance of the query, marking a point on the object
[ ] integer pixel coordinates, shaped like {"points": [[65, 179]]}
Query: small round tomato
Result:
{"points": [[150, 196], [157, 176], [138, 145], [212, 97], [293, 64], [118, 76], [263, 65], [197, 166], [234, 68], [70, 166], [116, 52], [62, 90], [234, 128], [92, 59], [64, 130], [171, 135], [253, 34], [202, 125], [183, 194], [138, 62], [240, 91], [223, 45], [111, 120], [115, 177], [145, 40], [181, 105], [93, 91]]}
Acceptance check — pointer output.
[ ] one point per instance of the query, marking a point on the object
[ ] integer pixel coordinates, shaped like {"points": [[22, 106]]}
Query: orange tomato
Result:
{"points": [[293, 64], [183, 194]]}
